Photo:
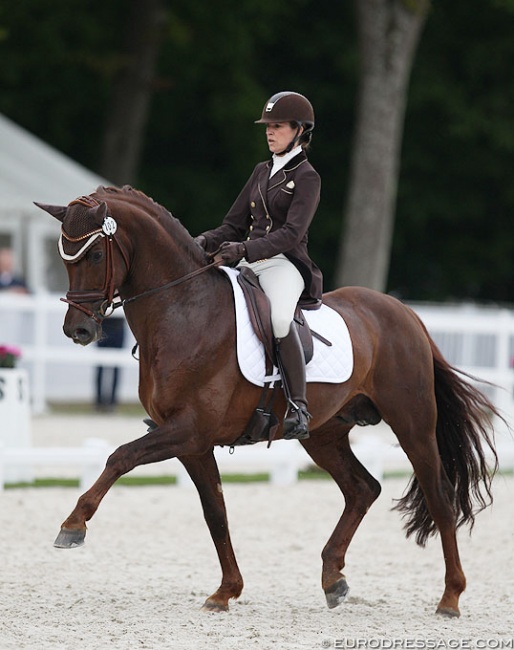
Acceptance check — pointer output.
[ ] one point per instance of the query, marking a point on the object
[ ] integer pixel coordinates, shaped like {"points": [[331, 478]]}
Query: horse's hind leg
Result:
{"points": [[330, 449], [439, 496]]}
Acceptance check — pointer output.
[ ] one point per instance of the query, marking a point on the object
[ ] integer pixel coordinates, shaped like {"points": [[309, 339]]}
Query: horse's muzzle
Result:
{"points": [[84, 333]]}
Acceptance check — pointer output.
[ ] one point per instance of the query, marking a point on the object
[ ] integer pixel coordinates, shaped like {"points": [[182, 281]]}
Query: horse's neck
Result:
{"points": [[187, 310], [156, 261]]}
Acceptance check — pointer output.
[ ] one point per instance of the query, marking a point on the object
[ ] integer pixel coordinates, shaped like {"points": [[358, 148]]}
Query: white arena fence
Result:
{"points": [[477, 340], [60, 370]]}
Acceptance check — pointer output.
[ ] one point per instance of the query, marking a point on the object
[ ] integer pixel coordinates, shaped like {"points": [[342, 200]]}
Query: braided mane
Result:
{"points": [[171, 224]]}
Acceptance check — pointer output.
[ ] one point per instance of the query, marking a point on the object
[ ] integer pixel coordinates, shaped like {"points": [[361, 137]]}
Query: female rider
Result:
{"points": [[266, 229]]}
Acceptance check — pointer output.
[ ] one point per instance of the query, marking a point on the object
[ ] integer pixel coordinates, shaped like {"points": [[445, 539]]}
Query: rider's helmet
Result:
{"points": [[289, 106]]}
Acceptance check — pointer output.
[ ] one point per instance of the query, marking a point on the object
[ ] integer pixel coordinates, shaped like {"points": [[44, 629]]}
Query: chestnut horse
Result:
{"points": [[119, 242]]}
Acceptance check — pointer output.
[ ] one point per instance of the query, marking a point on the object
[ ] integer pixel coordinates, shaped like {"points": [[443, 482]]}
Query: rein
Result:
{"points": [[168, 285], [75, 298]]}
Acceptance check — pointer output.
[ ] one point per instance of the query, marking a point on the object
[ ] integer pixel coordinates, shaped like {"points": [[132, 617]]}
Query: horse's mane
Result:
{"points": [[171, 224]]}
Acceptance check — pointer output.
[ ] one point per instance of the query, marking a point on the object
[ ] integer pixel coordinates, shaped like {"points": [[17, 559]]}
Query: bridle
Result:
{"points": [[107, 232], [108, 293]]}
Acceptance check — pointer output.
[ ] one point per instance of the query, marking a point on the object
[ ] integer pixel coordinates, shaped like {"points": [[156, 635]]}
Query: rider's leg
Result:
{"points": [[283, 284], [292, 368]]}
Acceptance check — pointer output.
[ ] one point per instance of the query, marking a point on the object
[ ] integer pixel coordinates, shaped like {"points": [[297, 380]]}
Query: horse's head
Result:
{"points": [[87, 248]]}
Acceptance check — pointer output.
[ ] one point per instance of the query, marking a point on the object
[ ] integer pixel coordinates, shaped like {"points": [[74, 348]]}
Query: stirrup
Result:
{"points": [[296, 423]]}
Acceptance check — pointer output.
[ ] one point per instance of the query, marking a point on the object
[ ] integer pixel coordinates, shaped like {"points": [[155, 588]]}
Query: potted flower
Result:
{"points": [[9, 355]]}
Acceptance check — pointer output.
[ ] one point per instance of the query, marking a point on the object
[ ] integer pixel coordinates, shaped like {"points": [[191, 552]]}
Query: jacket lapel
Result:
{"points": [[282, 175], [277, 179]]}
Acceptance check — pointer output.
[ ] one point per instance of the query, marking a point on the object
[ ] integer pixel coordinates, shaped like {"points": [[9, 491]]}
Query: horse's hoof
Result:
{"points": [[337, 593], [213, 606], [448, 612], [70, 538]]}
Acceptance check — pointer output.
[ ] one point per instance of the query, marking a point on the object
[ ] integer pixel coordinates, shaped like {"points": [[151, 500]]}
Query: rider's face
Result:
{"points": [[279, 135]]}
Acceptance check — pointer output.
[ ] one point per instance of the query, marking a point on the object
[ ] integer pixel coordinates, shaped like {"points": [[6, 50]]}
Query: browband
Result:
{"points": [[93, 236]]}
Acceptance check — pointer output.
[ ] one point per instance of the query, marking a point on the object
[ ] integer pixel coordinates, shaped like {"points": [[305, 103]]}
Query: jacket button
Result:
{"points": [[252, 204]]}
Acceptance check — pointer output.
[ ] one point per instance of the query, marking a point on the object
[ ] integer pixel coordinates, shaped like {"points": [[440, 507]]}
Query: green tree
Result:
{"points": [[454, 236], [388, 37], [219, 61], [133, 86]]}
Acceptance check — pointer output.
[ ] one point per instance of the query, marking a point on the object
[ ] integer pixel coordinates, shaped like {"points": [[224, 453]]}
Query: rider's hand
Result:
{"points": [[232, 251]]}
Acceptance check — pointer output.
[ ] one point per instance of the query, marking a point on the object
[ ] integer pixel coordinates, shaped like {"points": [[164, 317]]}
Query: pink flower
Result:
{"points": [[8, 356]]}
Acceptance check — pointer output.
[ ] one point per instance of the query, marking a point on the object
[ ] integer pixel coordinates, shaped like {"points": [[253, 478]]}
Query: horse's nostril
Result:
{"points": [[81, 335]]}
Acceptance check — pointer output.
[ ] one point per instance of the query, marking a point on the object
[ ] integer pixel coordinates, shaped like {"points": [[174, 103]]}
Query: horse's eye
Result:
{"points": [[96, 256]]}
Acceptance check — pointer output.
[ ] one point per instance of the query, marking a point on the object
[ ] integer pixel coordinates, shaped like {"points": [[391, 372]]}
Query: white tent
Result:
{"points": [[31, 170]]}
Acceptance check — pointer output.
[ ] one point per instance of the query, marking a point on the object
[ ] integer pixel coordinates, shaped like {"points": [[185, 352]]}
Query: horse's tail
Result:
{"points": [[464, 433]]}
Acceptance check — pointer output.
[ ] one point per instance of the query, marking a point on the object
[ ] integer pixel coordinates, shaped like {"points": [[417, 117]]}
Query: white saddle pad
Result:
{"points": [[330, 364]]}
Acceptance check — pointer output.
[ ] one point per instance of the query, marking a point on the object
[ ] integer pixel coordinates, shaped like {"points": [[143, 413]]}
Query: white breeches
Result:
{"points": [[283, 284]]}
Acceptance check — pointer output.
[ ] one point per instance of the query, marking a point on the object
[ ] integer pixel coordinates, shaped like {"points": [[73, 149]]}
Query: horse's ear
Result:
{"points": [[57, 211], [99, 213]]}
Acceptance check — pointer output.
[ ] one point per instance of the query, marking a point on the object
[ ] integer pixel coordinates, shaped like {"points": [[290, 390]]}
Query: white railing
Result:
{"points": [[478, 340], [60, 370]]}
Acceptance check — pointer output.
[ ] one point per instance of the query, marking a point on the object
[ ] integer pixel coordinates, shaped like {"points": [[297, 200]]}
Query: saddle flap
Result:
{"points": [[259, 310]]}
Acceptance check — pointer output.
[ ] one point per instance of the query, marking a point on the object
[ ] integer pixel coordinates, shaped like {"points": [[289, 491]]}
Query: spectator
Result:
{"points": [[107, 377], [8, 280]]}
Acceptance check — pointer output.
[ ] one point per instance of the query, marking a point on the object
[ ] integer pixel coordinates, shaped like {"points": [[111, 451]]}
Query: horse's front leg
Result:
{"points": [[73, 529], [204, 472], [164, 442]]}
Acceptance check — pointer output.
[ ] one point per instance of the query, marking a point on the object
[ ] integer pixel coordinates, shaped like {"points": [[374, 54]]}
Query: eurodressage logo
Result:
{"points": [[413, 643]]}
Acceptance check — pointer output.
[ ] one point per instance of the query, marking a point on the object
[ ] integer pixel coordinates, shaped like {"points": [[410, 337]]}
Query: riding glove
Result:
{"points": [[232, 251]]}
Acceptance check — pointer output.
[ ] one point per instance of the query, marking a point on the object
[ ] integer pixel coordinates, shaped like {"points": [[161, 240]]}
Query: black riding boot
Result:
{"points": [[291, 362]]}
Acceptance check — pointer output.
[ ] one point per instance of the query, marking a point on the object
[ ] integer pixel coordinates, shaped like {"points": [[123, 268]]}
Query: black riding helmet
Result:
{"points": [[289, 106]]}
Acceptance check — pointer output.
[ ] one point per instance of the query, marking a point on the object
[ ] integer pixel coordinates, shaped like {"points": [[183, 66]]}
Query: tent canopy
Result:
{"points": [[31, 170]]}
